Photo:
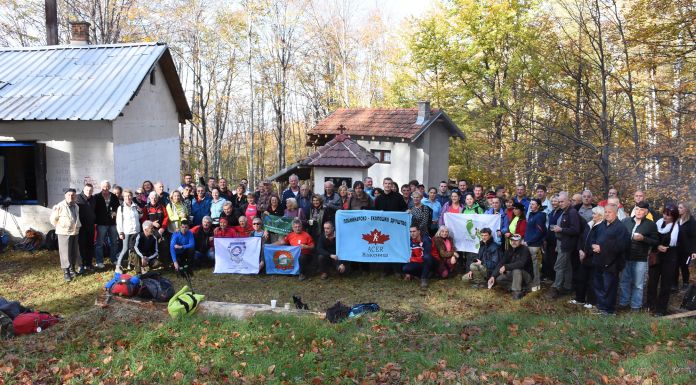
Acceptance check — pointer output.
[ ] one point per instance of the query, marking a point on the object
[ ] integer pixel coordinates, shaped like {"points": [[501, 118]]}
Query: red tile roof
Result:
{"points": [[388, 122], [341, 151]]}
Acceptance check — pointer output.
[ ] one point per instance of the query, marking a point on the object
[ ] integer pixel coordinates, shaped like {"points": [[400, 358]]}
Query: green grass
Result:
{"points": [[449, 334]]}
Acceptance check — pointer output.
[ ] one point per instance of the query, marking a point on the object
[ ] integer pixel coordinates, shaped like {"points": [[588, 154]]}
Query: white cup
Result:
{"points": [[273, 303], [287, 306]]}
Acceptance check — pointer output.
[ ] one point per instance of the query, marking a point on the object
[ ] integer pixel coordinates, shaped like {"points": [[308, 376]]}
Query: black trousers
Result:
{"points": [[662, 275], [306, 263], [85, 241], [549, 260], [684, 268], [584, 276]]}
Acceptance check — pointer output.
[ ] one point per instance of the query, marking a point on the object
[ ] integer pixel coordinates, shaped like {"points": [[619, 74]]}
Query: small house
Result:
{"points": [[409, 143], [71, 114]]}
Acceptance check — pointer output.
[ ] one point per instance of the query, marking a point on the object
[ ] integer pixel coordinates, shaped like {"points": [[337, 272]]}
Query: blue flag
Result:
{"points": [[372, 236], [282, 259]]}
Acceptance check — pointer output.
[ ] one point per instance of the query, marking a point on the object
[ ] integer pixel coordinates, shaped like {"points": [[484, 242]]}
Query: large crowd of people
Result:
{"points": [[598, 252]]}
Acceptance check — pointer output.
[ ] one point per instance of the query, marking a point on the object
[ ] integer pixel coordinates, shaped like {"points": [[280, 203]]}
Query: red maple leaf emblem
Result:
{"points": [[375, 237]]}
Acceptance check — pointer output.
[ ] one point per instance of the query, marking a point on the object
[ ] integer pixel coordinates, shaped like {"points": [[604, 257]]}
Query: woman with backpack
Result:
{"points": [[127, 225]]}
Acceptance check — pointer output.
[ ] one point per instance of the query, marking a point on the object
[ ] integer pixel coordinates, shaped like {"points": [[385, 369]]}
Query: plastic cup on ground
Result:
{"points": [[273, 303], [287, 306]]}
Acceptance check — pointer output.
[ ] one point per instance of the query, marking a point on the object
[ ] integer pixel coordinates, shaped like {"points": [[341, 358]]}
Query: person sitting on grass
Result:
{"points": [[299, 237], [488, 258], [203, 235], [146, 249], [182, 247], [421, 261], [515, 269], [225, 230], [260, 232], [326, 252], [444, 252], [244, 229]]}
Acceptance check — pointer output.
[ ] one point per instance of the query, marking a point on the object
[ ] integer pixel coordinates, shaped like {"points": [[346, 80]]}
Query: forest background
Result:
{"points": [[571, 93]]}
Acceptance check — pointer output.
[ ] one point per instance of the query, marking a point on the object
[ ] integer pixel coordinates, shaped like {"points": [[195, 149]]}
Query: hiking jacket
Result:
{"points": [[185, 240], [87, 206], [66, 218], [535, 232], [391, 202], [199, 209], [156, 213], [439, 250], [202, 237], [614, 242], [489, 254], [570, 230], [128, 219], [176, 212], [104, 209], [445, 209], [146, 247], [514, 259], [640, 249]]}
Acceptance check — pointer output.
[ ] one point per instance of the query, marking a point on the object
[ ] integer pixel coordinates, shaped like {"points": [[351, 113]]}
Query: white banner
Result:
{"points": [[237, 255], [466, 229]]}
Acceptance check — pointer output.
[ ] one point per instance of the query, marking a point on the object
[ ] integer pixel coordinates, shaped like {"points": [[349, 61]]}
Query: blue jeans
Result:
{"points": [[104, 231], [605, 286], [632, 281]]}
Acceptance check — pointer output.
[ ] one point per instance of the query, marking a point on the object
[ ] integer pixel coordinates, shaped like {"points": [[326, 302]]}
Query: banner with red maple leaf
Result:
{"points": [[372, 236]]}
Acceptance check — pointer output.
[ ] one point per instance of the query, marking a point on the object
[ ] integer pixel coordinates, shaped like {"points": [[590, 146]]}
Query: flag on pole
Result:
{"points": [[237, 255]]}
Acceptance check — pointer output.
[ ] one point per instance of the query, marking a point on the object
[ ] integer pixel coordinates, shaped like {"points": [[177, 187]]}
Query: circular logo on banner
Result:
{"points": [[283, 260], [236, 251]]}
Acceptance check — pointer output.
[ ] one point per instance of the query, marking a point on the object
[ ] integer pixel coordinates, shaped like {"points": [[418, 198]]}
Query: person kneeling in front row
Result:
{"points": [[182, 247], [146, 248], [516, 269], [299, 237], [326, 252], [421, 261], [486, 262]]}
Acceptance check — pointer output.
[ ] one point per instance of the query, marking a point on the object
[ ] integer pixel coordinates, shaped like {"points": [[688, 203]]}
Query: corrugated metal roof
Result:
{"points": [[74, 82]]}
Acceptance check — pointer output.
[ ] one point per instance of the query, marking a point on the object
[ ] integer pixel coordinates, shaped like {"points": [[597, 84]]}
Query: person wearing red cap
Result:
{"points": [[225, 230]]}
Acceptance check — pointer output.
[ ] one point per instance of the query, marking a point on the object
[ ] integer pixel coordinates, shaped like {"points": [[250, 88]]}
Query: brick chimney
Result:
{"points": [[423, 112], [79, 33]]}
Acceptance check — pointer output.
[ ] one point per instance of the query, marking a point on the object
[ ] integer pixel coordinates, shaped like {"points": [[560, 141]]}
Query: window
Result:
{"points": [[23, 172], [384, 156]]}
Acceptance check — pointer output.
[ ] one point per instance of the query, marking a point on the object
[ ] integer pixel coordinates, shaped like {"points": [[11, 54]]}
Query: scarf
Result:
{"points": [[664, 228]]}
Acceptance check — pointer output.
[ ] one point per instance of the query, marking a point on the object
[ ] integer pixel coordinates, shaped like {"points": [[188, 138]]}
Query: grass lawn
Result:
{"points": [[448, 334]]}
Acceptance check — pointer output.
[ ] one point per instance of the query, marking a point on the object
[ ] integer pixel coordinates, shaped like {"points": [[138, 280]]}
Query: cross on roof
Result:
{"points": [[341, 129]]}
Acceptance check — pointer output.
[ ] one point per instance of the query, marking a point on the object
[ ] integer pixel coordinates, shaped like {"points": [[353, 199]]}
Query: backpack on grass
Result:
{"points": [[154, 286], [51, 241], [124, 285], [184, 302], [6, 327], [33, 322]]}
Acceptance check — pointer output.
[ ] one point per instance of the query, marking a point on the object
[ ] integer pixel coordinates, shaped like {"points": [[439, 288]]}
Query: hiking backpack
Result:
{"points": [[51, 241], [689, 301], [33, 322], [154, 286], [184, 302], [124, 285], [6, 327]]}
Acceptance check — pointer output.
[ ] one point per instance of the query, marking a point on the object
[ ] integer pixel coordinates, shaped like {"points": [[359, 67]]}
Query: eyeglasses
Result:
{"points": [[256, 224]]}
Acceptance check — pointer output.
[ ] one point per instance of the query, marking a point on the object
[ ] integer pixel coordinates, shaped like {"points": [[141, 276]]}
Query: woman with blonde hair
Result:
{"points": [[686, 242], [444, 251]]}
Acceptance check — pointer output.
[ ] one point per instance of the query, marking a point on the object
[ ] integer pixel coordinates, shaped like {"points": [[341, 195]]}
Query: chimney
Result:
{"points": [[79, 33], [51, 22], [423, 112]]}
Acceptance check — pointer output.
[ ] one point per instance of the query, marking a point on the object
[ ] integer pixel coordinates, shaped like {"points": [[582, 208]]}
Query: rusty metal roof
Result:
{"points": [[381, 122], [340, 151], [91, 82]]}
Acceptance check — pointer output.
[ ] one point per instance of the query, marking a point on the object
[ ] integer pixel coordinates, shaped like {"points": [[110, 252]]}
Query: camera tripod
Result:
{"points": [[6, 210]]}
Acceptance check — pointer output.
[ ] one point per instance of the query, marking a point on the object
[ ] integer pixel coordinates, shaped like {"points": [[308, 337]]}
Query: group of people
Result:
{"points": [[596, 250]]}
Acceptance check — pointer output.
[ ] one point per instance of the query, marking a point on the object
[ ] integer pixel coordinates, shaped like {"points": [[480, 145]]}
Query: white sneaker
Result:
{"points": [[587, 306], [536, 288], [574, 302], [118, 270], [100, 265]]}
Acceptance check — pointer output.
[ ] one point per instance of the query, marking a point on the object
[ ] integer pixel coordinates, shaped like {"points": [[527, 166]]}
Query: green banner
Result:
{"points": [[278, 225]]}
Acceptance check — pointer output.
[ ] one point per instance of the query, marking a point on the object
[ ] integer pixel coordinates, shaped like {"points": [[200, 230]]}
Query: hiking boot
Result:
{"points": [[324, 276], [302, 277], [66, 275], [553, 293], [81, 271], [517, 295], [424, 283], [100, 266]]}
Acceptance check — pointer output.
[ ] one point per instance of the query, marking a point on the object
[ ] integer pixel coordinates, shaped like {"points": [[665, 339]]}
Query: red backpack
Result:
{"points": [[124, 287], [34, 322]]}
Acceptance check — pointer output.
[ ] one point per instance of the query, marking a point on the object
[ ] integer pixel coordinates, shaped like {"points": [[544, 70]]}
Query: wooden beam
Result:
{"points": [[685, 314], [244, 311]]}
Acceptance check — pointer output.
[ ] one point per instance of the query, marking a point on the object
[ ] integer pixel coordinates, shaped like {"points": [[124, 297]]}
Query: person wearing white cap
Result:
{"points": [[515, 269]]}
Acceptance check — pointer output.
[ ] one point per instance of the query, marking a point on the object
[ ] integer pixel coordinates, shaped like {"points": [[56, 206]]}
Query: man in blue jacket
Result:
{"points": [[200, 206], [182, 246]]}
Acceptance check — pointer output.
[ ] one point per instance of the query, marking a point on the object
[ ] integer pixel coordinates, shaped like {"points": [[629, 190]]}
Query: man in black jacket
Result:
{"points": [[85, 239], [567, 231], [644, 236], [391, 200], [610, 244], [326, 252], [516, 268], [106, 206]]}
